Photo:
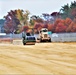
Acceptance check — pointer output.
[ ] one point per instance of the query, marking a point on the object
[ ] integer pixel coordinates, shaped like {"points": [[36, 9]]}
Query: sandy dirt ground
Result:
{"points": [[41, 58]]}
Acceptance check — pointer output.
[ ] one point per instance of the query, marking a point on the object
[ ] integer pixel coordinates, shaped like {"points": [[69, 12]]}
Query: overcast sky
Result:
{"points": [[36, 7]]}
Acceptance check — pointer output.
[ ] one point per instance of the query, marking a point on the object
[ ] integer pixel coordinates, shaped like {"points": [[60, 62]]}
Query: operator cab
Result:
{"points": [[43, 30], [28, 34]]}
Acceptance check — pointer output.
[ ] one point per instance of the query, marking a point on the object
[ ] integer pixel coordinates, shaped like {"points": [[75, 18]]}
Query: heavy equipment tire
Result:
{"points": [[41, 40], [24, 43], [38, 38], [49, 40]]}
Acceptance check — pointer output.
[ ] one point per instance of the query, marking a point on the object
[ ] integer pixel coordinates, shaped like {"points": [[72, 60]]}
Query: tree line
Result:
{"points": [[18, 20]]}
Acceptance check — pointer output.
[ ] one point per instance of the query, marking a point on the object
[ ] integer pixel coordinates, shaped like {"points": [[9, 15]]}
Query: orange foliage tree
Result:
{"points": [[50, 27], [37, 27], [59, 26], [25, 28], [74, 25], [68, 21]]}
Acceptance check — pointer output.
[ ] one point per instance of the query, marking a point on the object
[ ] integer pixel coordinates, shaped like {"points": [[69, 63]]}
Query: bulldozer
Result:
{"points": [[28, 38], [43, 35]]}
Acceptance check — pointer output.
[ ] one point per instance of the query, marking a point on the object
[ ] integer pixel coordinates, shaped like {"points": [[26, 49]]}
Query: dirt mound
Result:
{"points": [[17, 42], [6, 40]]}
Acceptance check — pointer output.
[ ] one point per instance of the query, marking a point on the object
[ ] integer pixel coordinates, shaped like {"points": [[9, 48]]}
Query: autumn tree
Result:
{"points": [[16, 18], [60, 28], [68, 21], [55, 24], [50, 27], [23, 16], [69, 28], [55, 15], [74, 25], [37, 27], [45, 26], [36, 19], [8, 26], [25, 28], [73, 12], [11, 22]]}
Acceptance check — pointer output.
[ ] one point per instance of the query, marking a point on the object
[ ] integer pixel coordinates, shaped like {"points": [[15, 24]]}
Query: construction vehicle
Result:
{"points": [[43, 35], [28, 38]]}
